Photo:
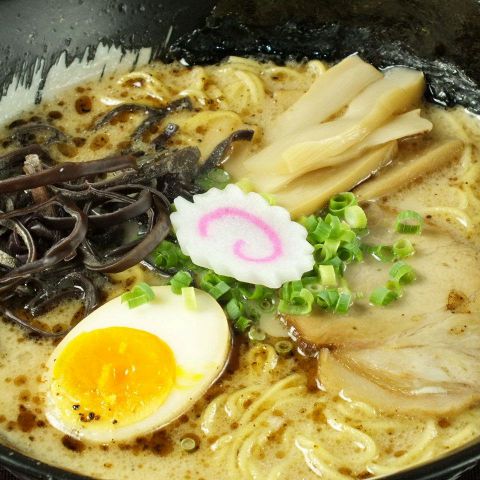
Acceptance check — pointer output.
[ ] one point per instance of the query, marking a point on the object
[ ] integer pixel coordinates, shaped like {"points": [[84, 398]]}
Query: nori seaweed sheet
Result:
{"points": [[439, 37]]}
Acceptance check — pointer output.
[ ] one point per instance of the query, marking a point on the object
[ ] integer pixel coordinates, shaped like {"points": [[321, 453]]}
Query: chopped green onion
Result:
{"points": [[189, 297], [327, 274], [252, 310], [321, 231], [313, 283], [209, 279], [336, 226], [327, 250], [327, 299], [336, 263], [257, 293], [384, 253], [146, 290], [347, 235], [355, 216], [340, 202], [289, 288], [218, 290], [215, 178], [395, 287], [133, 300], [242, 323], [168, 255], [245, 184], [350, 252], [409, 221], [383, 296], [256, 334], [269, 198], [402, 273], [298, 302], [310, 223], [267, 305], [403, 248], [140, 294], [179, 280], [283, 347], [188, 444], [344, 302], [234, 309]]}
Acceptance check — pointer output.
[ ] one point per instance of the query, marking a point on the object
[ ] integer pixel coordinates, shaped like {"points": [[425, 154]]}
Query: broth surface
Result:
{"points": [[266, 417]]}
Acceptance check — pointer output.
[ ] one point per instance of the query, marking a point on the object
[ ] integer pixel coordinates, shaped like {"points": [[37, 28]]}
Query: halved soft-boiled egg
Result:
{"points": [[125, 372]]}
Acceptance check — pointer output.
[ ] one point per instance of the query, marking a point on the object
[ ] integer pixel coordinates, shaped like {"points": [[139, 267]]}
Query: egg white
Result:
{"points": [[200, 340]]}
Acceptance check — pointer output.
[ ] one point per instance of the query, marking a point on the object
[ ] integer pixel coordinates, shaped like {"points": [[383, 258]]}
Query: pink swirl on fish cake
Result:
{"points": [[267, 230]]}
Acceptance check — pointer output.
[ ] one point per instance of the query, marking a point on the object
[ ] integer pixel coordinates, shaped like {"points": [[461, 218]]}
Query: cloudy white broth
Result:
{"points": [[313, 311]]}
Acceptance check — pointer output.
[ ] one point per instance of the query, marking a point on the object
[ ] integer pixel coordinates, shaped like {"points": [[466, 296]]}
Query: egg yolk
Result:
{"points": [[117, 375]]}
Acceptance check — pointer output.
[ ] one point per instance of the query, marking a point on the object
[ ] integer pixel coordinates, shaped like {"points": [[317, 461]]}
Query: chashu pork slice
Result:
{"points": [[421, 354], [432, 368]]}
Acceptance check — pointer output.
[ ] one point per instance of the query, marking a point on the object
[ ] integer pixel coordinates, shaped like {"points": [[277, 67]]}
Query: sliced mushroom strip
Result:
{"points": [[182, 163], [120, 110], [74, 284], [221, 152], [64, 249], [133, 208], [141, 250], [67, 171], [168, 132], [156, 116], [16, 158], [27, 134]]}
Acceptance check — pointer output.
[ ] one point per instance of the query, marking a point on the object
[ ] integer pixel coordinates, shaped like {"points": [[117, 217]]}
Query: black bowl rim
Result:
{"points": [[458, 461]]}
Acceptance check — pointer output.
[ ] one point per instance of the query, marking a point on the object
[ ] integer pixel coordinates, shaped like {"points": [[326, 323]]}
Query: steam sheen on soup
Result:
{"points": [[348, 390]]}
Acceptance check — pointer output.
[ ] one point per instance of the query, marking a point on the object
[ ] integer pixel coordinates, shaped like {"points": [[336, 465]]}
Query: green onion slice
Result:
{"points": [[297, 302], [327, 274], [215, 178], [309, 222], [242, 323], [283, 347], [344, 302], [188, 444], [327, 299], [402, 273], [256, 334], [383, 296], [409, 221], [321, 232], [326, 250], [168, 255], [383, 253], [140, 294], [355, 216], [234, 309], [245, 184], [180, 280], [351, 252], [189, 297], [269, 198], [403, 248], [340, 202], [218, 290]]}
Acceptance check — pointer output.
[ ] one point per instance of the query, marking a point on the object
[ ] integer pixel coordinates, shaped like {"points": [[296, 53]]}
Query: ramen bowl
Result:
{"points": [[89, 36]]}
